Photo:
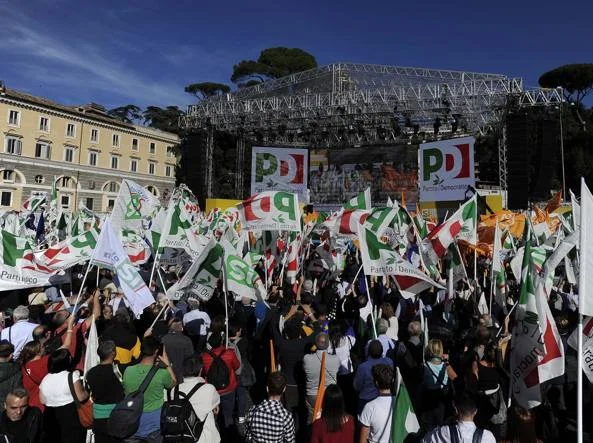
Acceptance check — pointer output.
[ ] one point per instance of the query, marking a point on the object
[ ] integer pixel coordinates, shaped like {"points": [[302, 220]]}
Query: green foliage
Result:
{"points": [[576, 79], [272, 63], [165, 119], [207, 89], [126, 114]]}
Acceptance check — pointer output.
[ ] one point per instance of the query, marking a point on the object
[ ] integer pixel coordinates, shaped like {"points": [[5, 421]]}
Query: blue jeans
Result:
{"points": [[241, 399], [227, 407]]}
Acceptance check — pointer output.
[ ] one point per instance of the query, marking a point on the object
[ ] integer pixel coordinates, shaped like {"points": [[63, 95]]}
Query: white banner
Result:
{"points": [[279, 169], [446, 169]]}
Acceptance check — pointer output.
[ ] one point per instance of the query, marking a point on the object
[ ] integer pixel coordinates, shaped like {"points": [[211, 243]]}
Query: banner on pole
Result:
{"points": [[279, 169], [446, 169]]}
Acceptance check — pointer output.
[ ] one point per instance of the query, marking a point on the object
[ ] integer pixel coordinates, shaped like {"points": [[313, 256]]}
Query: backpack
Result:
{"points": [[179, 421], [218, 374], [454, 434], [124, 420]]}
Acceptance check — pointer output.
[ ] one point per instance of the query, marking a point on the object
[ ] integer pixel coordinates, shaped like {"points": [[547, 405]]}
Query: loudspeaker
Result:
{"points": [[545, 158], [518, 153]]}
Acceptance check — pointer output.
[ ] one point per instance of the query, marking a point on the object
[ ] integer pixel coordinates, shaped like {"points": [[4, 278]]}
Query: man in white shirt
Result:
{"points": [[375, 418], [196, 314], [465, 429], [21, 332]]}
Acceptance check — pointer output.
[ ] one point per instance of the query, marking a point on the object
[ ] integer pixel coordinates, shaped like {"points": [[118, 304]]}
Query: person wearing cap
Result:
{"points": [[21, 331], [179, 347]]}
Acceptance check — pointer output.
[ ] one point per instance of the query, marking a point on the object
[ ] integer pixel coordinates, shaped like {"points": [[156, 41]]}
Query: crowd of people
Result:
{"points": [[251, 370]]}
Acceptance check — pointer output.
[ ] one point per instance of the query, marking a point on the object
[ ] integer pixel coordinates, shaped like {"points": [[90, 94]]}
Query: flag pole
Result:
{"points": [[582, 285], [226, 304], [154, 265]]}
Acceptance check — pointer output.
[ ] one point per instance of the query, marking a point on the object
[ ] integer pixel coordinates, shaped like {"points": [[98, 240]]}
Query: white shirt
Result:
{"points": [[203, 401], [20, 333], [466, 430], [377, 416], [55, 389], [118, 302], [343, 352], [196, 314]]}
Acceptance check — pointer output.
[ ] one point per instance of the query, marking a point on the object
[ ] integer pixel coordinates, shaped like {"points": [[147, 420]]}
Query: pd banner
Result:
{"points": [[446, 169], [279, 169]]}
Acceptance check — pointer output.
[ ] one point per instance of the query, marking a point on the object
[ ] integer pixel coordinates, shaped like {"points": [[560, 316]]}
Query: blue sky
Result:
{"points": [[145, 52]]}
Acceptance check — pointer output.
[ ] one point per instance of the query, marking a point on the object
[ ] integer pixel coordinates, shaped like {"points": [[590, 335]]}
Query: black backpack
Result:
{"points": [[454, 434], [218, 374], [124, 420], [179, 421]]}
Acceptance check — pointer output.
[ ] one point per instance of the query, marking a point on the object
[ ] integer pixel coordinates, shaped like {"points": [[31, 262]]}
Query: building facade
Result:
{"points": [[86, 152]]}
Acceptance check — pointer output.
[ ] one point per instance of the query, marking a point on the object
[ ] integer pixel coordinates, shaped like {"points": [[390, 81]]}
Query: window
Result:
{"points": [[14, 118], [43, 150], [39, 179], [94, 135], [151, 167], [65, 201], [134, 165], [8, 175], [115, 140], [13, 145], [114, 162], [93, 156], [134, 144], [89, 203], [168, 170], [170, 153], [152, 148], [44, 124], [65, 182], [69, 154], [110, 204], [153, 190], [113, 187], [71, 130], [6, 198]]}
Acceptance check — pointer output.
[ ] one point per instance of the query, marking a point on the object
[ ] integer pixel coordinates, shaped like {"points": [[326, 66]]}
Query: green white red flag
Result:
{"points": [[17, 267], [134, 204], [270, 211], [70, 252], [361, 201], [498, 276], [240, 277]]}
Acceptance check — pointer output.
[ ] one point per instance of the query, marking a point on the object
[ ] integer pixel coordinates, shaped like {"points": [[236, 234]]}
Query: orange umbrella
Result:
{"points": [[320, 391]]}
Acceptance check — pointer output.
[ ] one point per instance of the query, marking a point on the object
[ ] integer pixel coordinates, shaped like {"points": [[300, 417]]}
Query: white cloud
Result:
{"points": [[78, 64]]}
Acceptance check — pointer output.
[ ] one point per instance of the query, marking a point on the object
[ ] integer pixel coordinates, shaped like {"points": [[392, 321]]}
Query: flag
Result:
{"points": [[380, 259], [527, 344], [91, 358], [17, 269], [270, 211], [40, 230], [67, 253], [361, 201], [421, 225], [34, 202], [380, 218], [320, 390], [53, 203], [202, 276], [110, 254], [441, 237], [554, 203], [403, 420], [133, 205], [240, 277], [135, 246], [508, 243], [576, 210], [292, 260], [346, 222], [586, 257], [498, 276]]}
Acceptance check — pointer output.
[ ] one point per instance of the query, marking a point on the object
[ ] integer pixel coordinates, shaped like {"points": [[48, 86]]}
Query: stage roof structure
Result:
{"points": [[359, 104]]}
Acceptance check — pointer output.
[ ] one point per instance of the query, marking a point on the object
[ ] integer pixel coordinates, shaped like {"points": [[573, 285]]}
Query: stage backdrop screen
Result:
{"points": [[337, 175], [279, 169], [446, 169]]}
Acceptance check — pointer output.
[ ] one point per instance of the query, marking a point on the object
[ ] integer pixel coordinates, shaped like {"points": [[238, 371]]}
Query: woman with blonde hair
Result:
{"points": [[435, 385]]}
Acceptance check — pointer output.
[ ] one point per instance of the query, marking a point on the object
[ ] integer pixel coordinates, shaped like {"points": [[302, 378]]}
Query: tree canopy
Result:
{"points": [[272, 63], [126, 114], [207, 89], [575, 79], [165, 119]]}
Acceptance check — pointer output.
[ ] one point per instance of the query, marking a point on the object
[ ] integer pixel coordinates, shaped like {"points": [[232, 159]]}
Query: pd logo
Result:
{"points": [[452, 163], [280, 167]]}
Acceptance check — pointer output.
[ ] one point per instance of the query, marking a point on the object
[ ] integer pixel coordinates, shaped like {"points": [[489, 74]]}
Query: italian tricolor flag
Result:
{"points": [[361, 201]]}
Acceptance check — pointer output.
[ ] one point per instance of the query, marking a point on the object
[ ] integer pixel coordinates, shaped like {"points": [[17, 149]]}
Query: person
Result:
{"points": [[465, 428], [434, 385], [364, 382], [164, 378], [118, 300], [205, 400], [388, 314], [411, 361], [60, 416], [21, 331], [104, 321], [522, 427], [10, 373], [37, 297], [270, 422], [246, 375], [386, 342], [179, 347], [20, 422], [375, 418], [335, 425], [121, 331], [104, 382], [34, 362], [216, 348], [312, 368], [197, 323]]}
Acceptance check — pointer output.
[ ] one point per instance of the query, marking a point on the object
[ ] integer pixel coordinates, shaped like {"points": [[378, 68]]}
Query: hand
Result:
{"points": [[148, 332]]}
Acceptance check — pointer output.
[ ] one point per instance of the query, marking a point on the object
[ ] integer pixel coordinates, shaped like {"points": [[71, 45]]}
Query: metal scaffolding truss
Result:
{"points": [[377, 103]]}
